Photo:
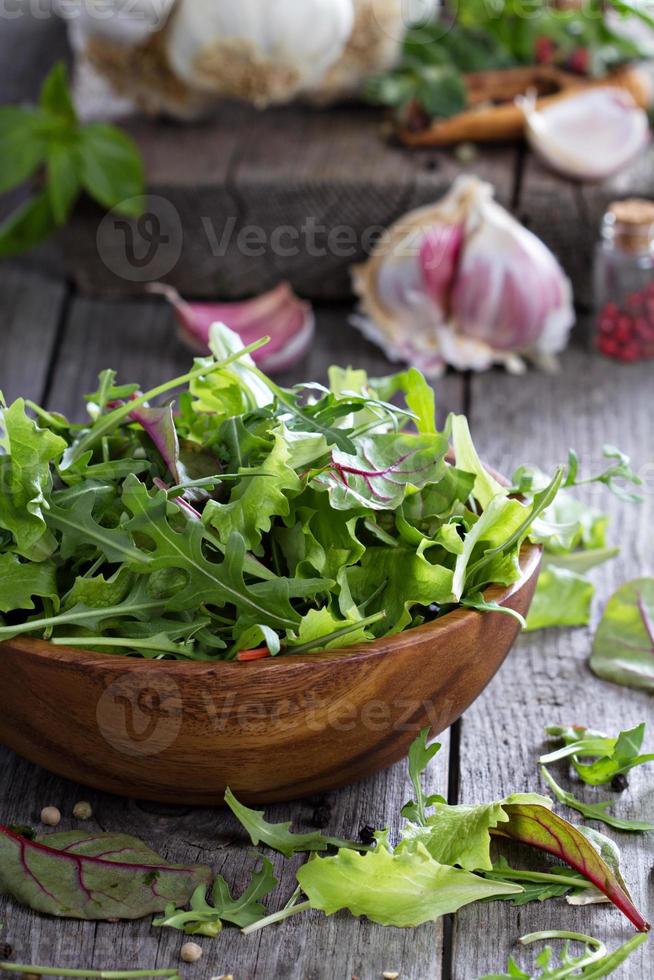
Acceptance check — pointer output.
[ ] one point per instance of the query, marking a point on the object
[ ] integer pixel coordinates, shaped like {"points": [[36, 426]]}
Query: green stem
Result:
{"points": [[519, 875], [120, 641], [8, 632], [109, 422], [270, 920], [56, 971]]}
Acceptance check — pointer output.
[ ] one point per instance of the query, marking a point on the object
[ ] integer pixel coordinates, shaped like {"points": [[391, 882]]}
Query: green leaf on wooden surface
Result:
{"points": [[592, 964], [420, 755], [611, 756], [92, 876], [278, 836], [594, 811], [111, 168], [205, 919], [543, 829], [27, 226], [562, 598], [393, 889], [623, 648]]}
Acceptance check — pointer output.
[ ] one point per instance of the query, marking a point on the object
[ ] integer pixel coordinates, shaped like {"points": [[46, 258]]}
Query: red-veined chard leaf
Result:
{"points": [[541, 828], [92, 876], [623, 649]]}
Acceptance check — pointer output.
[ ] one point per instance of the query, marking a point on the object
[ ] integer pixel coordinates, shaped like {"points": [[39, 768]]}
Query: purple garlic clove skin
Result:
{"points": [[462, 283], [278, 314]]}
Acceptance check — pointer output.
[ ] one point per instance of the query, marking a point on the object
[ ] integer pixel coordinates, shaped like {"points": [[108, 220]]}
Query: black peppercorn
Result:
{"points": [[367, 835], [321, 816], [619, 782], [5, 951]]}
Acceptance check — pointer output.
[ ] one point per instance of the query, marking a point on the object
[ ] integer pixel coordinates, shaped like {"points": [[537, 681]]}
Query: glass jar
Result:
{"points": [[624, 281]]}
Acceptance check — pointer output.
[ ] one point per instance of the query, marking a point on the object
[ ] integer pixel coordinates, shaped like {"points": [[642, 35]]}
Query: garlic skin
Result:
{"points": [[588, 136], [278, 314], [255, 49], [463, 283]]}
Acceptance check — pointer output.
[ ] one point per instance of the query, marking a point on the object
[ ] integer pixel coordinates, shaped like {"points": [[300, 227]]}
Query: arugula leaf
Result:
{"points": [[420, 755], [97, 876], [623, 648], [204, 919], [593, 811], [21, 581], [613, 756], [398, 889], [539, 886], [278, 836], [593, 963]]}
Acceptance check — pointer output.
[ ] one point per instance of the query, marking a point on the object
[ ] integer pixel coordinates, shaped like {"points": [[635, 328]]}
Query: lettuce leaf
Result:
{"points": [[623, 648], [394, 889]]}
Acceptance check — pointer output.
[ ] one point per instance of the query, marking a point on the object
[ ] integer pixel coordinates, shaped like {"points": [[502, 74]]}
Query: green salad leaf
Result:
{"points": [[562, 598], [593, 963], [611, 756], [218, 514], [623, 648], [205, 919], [92, 876], [393, 888], [593, 811]]}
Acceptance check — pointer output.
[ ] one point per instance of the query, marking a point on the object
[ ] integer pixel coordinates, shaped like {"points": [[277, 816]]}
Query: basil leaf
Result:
{"points": [[23, 145], [27, 226], [55, 96], [63, 179], [111, 168]]}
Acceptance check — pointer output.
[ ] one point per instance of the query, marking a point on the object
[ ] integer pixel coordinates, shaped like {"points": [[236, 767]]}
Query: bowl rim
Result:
{"points": [[530, 557]]}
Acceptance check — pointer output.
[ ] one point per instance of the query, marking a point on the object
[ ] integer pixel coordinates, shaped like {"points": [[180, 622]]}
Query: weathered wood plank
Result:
{"points": [[30, 310], [249, 198], [138, 340], [546, 680]]}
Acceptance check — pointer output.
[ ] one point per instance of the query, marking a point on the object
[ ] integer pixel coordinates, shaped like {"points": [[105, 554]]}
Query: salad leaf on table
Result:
{"points": [[204, 919], [92, 876], [612, 756], [623, 648], [593, 963], [593, 811]]}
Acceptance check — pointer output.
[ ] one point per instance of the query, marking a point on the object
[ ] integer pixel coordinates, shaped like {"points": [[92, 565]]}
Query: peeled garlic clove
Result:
{"points": [[278, 314], [256, 49], [588, 136], [463, 283]]}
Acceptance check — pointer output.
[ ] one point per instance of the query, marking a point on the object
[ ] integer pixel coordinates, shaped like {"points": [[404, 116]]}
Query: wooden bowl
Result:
{"points": [[180, 732]]}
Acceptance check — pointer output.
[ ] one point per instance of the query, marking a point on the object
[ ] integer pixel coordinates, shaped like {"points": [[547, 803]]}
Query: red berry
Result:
{"points": [[579, 61], [544, 50]]}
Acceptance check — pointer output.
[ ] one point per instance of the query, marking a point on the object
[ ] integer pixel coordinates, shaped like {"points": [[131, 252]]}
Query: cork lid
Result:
{"points": [[632, 223]]}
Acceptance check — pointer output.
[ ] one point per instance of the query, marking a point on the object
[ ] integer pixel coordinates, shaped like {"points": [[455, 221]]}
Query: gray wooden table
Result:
{"points": [[53, 342]]}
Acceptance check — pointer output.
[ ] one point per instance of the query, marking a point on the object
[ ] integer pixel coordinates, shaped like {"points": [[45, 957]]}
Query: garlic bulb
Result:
{"points": [[257, 49], [588, 136], [374, 45], [463, 283]]}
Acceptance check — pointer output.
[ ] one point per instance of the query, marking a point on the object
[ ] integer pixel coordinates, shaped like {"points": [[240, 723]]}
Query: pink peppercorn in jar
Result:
{"points": [[624, 281]]}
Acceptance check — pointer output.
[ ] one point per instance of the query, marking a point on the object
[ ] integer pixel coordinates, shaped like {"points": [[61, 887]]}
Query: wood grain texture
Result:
{"points": [[30, 310], [547, 679], [138, 340], [272, 730], [256, 197]]}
